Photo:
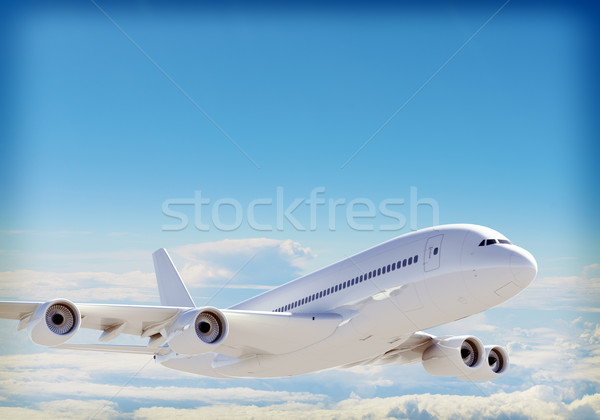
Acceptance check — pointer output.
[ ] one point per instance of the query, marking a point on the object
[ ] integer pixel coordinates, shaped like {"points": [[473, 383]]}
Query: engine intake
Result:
{"points": [[209, 327], [54, 322], [496, 364], [197, 331]]}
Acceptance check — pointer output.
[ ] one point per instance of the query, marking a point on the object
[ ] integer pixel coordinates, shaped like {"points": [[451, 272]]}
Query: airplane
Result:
{"points": [[367, 309]]}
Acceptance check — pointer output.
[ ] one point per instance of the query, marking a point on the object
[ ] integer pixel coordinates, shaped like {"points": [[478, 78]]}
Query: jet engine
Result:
{"points": [[495, 365], [54, 322], [460, 356], [197, 331]]}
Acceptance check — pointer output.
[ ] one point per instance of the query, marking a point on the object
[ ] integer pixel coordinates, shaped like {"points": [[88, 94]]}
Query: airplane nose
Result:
{"points": [[523, 266]]}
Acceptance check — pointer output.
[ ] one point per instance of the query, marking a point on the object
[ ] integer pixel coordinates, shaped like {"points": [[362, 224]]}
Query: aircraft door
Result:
{"points": [[433, 249]]}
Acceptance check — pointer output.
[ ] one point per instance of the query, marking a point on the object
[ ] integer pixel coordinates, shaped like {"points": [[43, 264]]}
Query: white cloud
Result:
{"points": [[556, 355], [591, 271], [95, 375], [223, 260], [207, 264], [536, 402], [63, 409], [577, 293], [248, 247], [134, 286]]}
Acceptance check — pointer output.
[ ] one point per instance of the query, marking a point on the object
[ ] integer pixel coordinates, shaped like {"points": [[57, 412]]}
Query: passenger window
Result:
{"points": [[404, 263], [416, 259], [410, 261], [383, 270], [393, 266], [388, 268], [435, 251], [379, 271], [399, 263]]}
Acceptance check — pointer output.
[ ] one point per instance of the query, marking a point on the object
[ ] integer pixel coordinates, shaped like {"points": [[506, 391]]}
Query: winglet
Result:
{"points": [[171, 289]]}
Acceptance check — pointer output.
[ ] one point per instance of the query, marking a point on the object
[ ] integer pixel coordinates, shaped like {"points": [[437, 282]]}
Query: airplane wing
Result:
{"points": [[410, 351], [248, 332], [163, 350], [136, 320]]}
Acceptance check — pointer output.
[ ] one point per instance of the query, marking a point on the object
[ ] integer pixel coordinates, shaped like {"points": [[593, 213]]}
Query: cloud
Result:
{"points": [[255, 264], [273, 261], [536, 402], [228, 247], [555, 355], [577, 293], [591, 271], [56, 374], [64, 409], [33, 285]]}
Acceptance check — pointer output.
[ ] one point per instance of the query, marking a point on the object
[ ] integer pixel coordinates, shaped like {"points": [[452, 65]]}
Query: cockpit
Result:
{"points": [[487, 242]]}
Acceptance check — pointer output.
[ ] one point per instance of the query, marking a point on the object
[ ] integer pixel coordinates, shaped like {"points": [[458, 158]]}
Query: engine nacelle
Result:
{"points": [[54, 322], [460, 356], [198, 331], [495, 364]]}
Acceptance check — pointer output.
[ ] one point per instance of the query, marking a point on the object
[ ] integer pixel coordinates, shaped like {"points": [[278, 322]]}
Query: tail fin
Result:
{"points": [[171, 289]]}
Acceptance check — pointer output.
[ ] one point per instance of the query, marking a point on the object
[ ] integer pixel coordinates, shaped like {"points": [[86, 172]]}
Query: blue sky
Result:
{"points": [[103, 126]]}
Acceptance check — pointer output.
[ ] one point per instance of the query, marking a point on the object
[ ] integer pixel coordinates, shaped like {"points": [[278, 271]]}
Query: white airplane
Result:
{"points": [[367, 309]]}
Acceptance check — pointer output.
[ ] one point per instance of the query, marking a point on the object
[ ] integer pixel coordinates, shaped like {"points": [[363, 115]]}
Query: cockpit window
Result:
{"points": [[486, 242]]}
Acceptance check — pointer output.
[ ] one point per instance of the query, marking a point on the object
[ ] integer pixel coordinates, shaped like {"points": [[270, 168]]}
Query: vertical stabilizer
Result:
{"points": [[171, 289]]}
